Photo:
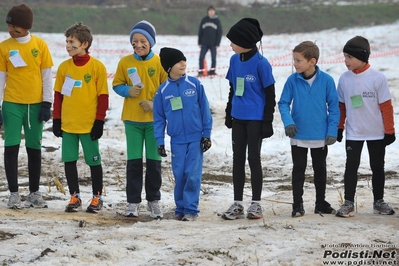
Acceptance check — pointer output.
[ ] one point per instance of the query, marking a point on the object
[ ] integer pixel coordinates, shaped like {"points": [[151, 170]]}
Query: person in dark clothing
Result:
{"points": [[249, 112], [209, 36]]}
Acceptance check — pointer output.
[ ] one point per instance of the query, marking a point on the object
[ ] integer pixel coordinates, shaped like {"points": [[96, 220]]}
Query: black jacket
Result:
{"points": [[210, 31]]}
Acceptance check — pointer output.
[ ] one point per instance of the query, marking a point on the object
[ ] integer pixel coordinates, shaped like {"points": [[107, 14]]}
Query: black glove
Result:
{"points": [[97, 129], [389, 139], [267, 130], [1, 118], [45, 112], [340, 134], [57, 131], [330, 140], [290, 131], [161, 151], [206, 143], [228, 121]]}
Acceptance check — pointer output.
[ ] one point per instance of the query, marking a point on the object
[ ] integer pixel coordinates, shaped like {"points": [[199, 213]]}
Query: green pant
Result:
{"points": [[70, 148], [136, 136], [17, 116]]}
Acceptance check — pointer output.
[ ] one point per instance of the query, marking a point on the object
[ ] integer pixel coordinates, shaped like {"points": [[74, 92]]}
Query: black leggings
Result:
{"points": [[299, 159], [247, 134], [376, 149]]}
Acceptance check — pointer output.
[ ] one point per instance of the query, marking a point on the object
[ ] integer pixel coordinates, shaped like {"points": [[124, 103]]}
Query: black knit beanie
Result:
{"points": [[358, 47], [170, 57], [245, 33], [21, 16]]}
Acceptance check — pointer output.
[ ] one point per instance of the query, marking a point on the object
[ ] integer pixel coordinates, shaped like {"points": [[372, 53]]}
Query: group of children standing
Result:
{"points": [[159, 96]]}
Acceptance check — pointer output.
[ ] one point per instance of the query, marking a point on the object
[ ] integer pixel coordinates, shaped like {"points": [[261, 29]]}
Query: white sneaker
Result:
{"points": [[254, 211], [153, 207], [132, 210], [35, 200], [189, 217], [14, 201], [236, 211]]}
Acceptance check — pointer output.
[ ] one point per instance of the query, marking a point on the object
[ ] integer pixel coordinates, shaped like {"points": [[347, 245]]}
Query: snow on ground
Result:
{"points": [[53, 237]]}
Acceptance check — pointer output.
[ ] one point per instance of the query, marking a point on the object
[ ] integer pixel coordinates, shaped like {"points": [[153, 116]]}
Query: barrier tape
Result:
{"points": [[274, 62]]}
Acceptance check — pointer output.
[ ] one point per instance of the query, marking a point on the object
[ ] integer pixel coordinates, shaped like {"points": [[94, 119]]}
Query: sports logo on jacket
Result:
{"points": [[250, 78], [189, 92], [35, 52], [87, 78], [151, 71]]}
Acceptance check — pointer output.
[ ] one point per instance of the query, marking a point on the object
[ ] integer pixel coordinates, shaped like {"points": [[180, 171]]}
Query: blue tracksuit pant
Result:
{"points": [[187, 170]]}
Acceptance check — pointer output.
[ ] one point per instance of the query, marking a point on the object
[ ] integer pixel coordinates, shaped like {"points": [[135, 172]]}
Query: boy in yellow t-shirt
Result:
{"points": [[80, 105], [26, 96], [137, 79]]}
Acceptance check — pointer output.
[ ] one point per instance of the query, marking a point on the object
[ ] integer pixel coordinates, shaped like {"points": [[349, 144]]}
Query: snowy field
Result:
{"points": [[53, 237]]}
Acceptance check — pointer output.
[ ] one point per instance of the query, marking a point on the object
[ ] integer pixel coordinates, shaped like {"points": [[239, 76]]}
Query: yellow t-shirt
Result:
{"points": [[79, 110], [24, 84], [151, 74]]}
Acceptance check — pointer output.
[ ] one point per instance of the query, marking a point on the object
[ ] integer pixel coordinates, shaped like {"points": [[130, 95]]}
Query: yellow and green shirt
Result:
{"points": [[24, 84], [78, 111], [151, 74]]}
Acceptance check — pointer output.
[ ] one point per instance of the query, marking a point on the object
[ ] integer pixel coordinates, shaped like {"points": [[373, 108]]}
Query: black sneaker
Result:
{"points": [[297, 210], [74, 204], [324, 207], [95, 205], [212, 73]]}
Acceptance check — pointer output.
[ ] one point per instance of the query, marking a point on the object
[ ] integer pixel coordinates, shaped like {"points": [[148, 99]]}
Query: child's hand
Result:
{"points": [[45, 112], [330, 140], [340, 134], [389, 139], [147, 105], [290, 131], [228, 121], [57, 131], [97, 129], [267, 130], [134, 91], [161, 150], [206, 143]]}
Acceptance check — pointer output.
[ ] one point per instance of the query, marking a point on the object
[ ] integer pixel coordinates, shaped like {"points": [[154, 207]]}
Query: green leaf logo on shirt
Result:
{"points": [[151, 71], [35, 52], [87, 78]]}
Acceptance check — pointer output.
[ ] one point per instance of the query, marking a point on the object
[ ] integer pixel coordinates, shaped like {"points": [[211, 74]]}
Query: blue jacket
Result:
{"points": [[313, 110], [257, 75], [189, 122]]}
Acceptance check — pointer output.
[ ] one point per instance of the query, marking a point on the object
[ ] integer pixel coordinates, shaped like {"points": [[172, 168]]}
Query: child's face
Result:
{"points": [[238, 49], [352, 63], [16, 32], [75, 47], [178, 70], [140, 44], [302, 65]]}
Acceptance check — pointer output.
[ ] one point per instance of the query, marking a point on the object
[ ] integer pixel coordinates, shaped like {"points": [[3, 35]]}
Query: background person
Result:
{"points": [[209, 36]]}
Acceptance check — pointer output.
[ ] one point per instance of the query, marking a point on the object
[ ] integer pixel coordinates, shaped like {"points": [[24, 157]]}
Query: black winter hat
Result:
{"points": [[170, 57], [358, 47], [245, 33], [21, 16]]}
